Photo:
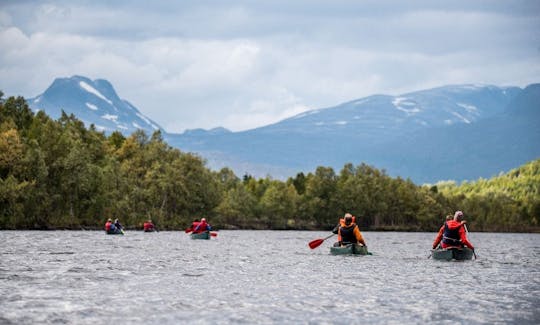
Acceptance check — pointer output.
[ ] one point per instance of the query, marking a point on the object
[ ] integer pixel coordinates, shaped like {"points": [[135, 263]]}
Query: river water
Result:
{"points": [[263, 277]]}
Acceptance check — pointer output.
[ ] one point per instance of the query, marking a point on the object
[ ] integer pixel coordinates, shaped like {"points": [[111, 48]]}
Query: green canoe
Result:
{"points": [[121, 232], [449, 254], [201, 235], [356, 249]]}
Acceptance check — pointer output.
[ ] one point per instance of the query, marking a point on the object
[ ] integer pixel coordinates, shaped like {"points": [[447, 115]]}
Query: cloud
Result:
{"points": [[242, 64]]}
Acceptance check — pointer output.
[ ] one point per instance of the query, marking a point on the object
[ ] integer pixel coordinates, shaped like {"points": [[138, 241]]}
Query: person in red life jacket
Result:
{"points": [[348, 231], [194, 225], [202, 227], [108, 225], [148, 226], [453, 234]]}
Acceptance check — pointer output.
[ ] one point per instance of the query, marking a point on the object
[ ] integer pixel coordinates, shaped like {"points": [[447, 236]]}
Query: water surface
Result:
{"points": [[260, 277]]}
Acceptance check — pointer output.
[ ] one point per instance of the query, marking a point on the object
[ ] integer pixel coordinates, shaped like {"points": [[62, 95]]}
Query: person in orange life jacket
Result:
{"points": [[148, 226], [202, 227], [348, 231], [452, 233], [341, 222]]}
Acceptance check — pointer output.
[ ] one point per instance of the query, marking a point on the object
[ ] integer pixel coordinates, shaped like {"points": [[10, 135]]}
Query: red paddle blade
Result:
{"points": [[187, 230], [213, 234], [315, 243]]}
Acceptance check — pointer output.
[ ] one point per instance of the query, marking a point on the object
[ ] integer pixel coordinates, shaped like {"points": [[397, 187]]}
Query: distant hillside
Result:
{"points": [[508, 202], [522, 183]]}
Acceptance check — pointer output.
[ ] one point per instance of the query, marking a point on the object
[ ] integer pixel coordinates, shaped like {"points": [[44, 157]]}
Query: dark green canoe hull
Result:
{"points": [[351, 249], [115, 233], [458, 254], [202, 235]]}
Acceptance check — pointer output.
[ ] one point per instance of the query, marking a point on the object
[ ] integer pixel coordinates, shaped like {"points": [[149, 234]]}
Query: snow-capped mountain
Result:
{"points": [[93, 102], [449, 132], [453, 132]]}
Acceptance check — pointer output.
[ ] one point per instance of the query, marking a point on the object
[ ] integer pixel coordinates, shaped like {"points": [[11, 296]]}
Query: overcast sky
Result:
{"points": [[244, 64]]}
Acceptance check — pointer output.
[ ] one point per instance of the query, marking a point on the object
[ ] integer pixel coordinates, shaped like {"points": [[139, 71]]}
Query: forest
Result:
{"points": [[59, 174]]}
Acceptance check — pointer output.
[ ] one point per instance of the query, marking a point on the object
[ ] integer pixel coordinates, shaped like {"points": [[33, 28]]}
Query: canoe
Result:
{"points": [[356, 249], [121, 232], [201, 235], [448, 254]]}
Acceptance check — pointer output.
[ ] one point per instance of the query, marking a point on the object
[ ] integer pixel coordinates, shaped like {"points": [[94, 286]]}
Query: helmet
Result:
{"points": [[203, 219], [458, 215], [348, 219]]}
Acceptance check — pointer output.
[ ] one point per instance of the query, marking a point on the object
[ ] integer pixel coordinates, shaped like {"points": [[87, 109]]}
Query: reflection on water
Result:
{"points": [[262, 277]]}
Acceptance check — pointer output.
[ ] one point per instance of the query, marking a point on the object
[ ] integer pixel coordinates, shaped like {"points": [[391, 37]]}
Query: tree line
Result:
{"points": [[59, 174]]}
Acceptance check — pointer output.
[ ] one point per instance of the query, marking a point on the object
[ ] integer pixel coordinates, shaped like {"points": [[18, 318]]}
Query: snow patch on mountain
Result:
{"points": [[469, 108], [461, 117], [94, 91], [406, 105], [110, 117], [91, 106]]}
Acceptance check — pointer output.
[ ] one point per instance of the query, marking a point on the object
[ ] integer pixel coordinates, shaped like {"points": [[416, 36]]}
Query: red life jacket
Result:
{"points": [[148, 226], [194, 225], [108, 226], [201, 227]]}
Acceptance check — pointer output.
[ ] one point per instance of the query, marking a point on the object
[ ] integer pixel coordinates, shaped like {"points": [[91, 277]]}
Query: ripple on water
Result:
{"points": [[87, 277]]}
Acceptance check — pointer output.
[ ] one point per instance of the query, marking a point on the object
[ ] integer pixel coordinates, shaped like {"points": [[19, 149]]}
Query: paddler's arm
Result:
{"points": [[438, 238], [358, 235], [463, 237]]}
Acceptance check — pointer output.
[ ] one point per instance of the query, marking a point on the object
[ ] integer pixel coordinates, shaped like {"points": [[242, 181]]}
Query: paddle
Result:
{"points": [[431, 252], [188, 230], [317, 242], [213, 234], [467, 232]]}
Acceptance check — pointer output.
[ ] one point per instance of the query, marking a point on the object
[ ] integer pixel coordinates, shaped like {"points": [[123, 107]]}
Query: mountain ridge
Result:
{"points": [[415, 135]]}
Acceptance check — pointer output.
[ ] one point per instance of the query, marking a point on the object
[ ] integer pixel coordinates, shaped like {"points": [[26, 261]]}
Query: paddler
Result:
{"points": [[202, 226], [453, 234], [109, 227], [148, 226], [348, 231]]}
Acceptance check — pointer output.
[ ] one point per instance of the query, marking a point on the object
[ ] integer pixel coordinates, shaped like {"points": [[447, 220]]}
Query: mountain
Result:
{"points": [[453, 132], [459, 132], [485, 148], [93, 102]]}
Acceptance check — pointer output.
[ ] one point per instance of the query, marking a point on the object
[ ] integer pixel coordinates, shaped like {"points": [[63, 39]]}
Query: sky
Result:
{"points": [[244, 64]]}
